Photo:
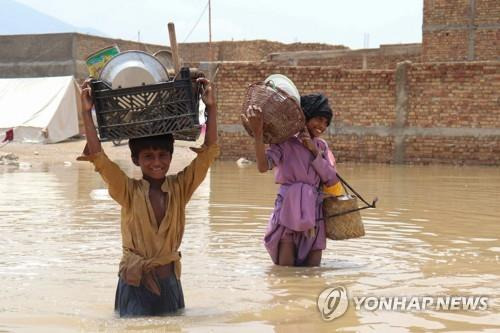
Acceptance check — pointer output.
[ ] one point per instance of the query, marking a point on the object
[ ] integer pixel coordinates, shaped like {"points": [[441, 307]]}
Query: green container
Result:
{"points": [[96, 61]]}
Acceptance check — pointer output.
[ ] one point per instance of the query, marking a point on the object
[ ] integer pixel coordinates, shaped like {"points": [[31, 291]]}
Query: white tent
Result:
{"points": [[39, 109]]}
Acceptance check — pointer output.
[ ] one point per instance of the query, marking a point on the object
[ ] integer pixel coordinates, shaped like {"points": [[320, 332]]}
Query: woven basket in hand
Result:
{"points": [[341, 221], [282, 114]]}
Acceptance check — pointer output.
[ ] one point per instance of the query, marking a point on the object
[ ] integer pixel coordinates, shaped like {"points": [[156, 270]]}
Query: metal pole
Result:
{"points": [[210, 53]]}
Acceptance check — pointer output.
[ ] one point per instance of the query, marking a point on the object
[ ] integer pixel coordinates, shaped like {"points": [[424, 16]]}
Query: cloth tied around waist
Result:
{"points": [[298, 210], [135, 269]]}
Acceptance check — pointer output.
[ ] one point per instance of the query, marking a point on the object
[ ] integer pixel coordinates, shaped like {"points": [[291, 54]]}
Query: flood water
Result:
{"points": [[435, 233]]}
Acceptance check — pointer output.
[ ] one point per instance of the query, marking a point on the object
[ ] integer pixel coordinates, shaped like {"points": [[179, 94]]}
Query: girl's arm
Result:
{"points": [[324, 165], [326, 170], [307, 141], [256, 122]]}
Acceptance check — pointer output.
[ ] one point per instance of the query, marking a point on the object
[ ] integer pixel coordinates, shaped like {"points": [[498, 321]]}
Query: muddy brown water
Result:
{"points": [[435, 233]]}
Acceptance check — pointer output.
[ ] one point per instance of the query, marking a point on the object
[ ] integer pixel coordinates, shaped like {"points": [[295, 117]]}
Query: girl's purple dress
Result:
{"points": [[298, 205]]}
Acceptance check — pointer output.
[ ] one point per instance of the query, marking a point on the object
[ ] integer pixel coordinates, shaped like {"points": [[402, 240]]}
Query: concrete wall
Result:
{"points": [[56, 54], [36, 55], [385, 57], [461, 30], [418, 113]]}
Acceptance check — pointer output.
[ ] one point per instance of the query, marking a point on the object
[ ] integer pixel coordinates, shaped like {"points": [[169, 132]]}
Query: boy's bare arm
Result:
{"points": [[93, 143], [208, 98], [117, 180]]}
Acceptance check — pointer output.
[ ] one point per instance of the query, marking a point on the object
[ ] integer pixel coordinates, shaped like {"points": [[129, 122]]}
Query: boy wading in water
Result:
{"points": [[152, 211], [296, 234]]}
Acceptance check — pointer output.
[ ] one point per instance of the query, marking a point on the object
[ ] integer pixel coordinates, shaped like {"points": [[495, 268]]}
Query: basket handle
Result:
{"points": [[344, 184]]}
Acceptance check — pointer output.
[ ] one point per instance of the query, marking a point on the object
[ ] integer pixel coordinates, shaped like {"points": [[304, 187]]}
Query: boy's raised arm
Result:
{"points": [[116, 179], [192, 175], [93, 144], [208, 98]]}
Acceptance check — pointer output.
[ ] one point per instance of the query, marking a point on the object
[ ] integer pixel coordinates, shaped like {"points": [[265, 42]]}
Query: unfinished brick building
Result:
{"points": [[461, 30], [435, 102], [442, 106]]}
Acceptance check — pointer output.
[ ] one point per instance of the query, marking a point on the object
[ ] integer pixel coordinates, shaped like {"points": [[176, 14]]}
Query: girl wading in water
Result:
{"points": [[295, 236]]}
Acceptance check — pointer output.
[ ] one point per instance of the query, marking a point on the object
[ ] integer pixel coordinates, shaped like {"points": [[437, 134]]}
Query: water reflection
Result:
{"points": [[435, 233]]}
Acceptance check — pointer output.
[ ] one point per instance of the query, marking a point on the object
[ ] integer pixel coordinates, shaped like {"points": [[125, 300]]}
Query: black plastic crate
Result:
{"points": [[169, 107]]}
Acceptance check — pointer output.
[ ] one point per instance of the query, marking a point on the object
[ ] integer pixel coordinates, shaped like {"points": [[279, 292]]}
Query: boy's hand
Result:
{"points": [[208, 95], [86, 97], [307, 141], [253, 116]]}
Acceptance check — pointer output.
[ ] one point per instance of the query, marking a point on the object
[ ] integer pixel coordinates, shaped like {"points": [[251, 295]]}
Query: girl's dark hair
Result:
{"points": [[165, 141]]}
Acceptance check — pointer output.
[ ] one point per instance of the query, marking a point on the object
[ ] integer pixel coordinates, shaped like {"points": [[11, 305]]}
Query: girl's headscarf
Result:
{"points": [[315, 105]]}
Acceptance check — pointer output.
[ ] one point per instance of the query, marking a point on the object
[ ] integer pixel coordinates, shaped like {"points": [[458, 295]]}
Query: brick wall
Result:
{"points": [[461, 30], [301, 54], [360, 98], [460, 100], [385, 57], [254, 50], [418, 113], [487, 44], [375, 61], [445, 46], [457, 95]]}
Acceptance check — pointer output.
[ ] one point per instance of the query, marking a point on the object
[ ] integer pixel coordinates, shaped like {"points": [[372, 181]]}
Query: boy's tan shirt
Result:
{"points": [[145, 246]]}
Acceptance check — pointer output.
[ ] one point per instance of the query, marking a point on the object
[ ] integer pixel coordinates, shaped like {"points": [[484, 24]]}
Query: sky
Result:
{"points": [[353, 23]]}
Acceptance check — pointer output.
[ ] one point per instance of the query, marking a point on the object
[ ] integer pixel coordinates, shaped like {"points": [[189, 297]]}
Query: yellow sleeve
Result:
{"points": [[335, 189], [118, 182], [191, 177]]}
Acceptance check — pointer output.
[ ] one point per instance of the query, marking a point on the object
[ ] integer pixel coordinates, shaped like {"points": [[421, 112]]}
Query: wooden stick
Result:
{"points": [[173, 46]]}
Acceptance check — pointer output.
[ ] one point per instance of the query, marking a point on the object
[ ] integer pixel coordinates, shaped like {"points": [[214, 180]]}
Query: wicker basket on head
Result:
{"points": [[342, 217], [282, 114]]}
